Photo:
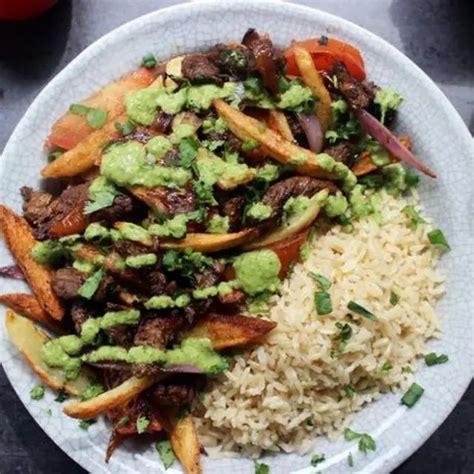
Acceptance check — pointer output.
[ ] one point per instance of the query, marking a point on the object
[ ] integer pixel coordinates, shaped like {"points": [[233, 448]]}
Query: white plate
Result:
{"points": [[441, 140]]}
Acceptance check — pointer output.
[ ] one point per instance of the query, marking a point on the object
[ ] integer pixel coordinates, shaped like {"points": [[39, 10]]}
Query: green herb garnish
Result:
{"points": [[317, 459], [386, 367], [350, 461], [394, 298], [433, 359], [142, 424], [123, 421], [414, 215], [358, 309], [125, 128], [90, 286], [187, 151], [96, 118], [37, 393], [249, 145], [149, 61], [92, 390], [61, 396], [261, 468], [349, 391], [322, 281], [86, 424], [412, 395], [166, 453], [366, 442], [345, 333], [322, 299], [436, 237]]}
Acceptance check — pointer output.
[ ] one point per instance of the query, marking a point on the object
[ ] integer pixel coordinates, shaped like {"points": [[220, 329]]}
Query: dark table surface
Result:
{"points": [[437, 35]]}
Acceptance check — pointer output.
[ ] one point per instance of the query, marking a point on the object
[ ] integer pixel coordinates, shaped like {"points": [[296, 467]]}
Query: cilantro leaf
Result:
{"points": [[166, 453]]}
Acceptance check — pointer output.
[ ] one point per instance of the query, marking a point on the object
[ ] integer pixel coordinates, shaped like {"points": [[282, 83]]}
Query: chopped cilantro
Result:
{"points": [[37, 393], [166, 453], [261, 468], [96, 118], [317, 459], [394, 298], [102, 193], [123, 421], [433, 359], [249, 145], [349, 391], [91, 285], [149, 61], [142, 424], [366, 442], [436, 237], [414, 215], [186, 262], [61, 396], [85, 424], [358, 309], [412, 395], [125, 128], [386, 367], [187, 151], [92, 390]]}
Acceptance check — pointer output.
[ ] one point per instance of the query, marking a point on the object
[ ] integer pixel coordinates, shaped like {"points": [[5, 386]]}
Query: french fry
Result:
{"points": [[277, 147], [185, 443], [110, 399], [29, 306], [28, 339], [85, 155], [313, 80], [365, 164], [277, 121], [211, 242], [20, 241], [70, 129], [227, 331]]}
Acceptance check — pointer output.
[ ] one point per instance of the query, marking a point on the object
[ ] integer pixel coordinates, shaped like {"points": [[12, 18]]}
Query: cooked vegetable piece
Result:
{"points": [[436, 237], [278, 148], [227, 331], [166, 453], [20, 241], [358, 309], [186, 445], [211, 242], [71, 129], [433, 359], [313, 80], [322, 300], [28, 339], [278, 122]]}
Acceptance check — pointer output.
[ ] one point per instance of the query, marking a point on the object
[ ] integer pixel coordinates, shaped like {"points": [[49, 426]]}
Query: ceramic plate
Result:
{"points": [[441, 140]]}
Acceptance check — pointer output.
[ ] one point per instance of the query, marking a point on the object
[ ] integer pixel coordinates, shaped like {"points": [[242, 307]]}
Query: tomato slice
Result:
{"points": [[73, 223], [325, 55]]}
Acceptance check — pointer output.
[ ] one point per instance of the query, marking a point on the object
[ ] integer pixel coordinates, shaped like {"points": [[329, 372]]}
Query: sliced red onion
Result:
{"points": [[387, 139], [313, 131], [167, 369], [12, 271], [182, 369]]}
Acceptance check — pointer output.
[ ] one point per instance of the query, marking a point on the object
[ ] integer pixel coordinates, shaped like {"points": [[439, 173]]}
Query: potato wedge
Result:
{"points": [[20, 241], [226, 331], [278, 148], [29, 306], [294, 226], [211, 242], [70, 129], [174, 67], [314, 81], [365, 165], [277, 121], [83, 156], [28, 339], [186, 445], [110, 399]]}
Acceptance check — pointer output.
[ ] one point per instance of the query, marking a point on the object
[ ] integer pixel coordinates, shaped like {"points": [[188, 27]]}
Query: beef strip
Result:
{"points": [[172, 394], [358, 95], [156, 282], [107, 289], [266, 59], [127, 248], [169, 202], [121, 335], [278, 193], [234, 60], [122, 206], [163, 123], [233, 208], [231, 302], [342, 152], [158, 332], [67, 281], [199, 68], [80, 313], [43, 212]]}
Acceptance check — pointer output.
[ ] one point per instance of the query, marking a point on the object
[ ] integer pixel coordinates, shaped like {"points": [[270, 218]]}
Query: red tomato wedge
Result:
{"points": [[70, 129], [73, 223], [325, 55]]}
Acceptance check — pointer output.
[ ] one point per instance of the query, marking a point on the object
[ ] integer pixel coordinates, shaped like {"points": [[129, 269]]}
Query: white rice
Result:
{"points": [[298, 375]]}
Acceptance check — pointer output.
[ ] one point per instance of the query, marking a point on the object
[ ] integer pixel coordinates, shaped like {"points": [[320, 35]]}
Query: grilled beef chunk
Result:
{"points": [[107, 289], [42, 211], [358, 95], [158, 332], [67, 281], [199, 68], [233, 208], [278, 193], [267, 62], [122, 206], [80, 313], [156, 282], [172, 394], [342, 152], [196, 309], [169, 202], [163, 122], [235, 60], [206, 278], [120, 335], [127, 248]]}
